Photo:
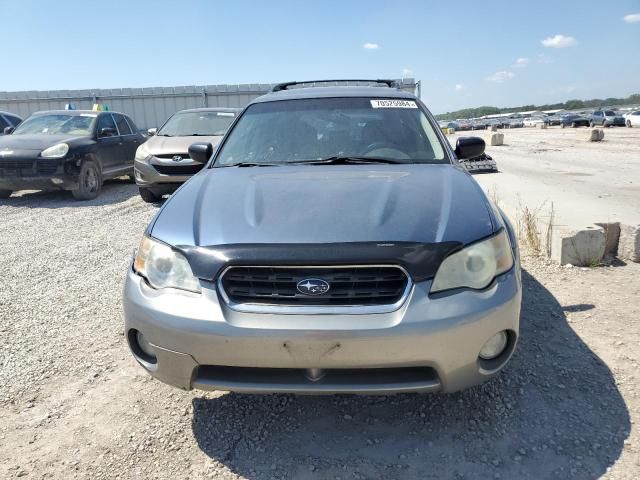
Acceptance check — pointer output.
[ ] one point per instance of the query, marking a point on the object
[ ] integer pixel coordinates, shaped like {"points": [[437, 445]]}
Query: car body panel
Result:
{"points": [[414, 203]]}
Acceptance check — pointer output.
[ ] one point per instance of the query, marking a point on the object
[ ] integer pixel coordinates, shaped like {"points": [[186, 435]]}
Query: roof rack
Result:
{"points": [[285, 86]]}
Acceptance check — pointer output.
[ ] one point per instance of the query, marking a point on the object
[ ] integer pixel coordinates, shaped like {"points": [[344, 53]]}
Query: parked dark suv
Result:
{"points": [[606, 118], [69, 150]]}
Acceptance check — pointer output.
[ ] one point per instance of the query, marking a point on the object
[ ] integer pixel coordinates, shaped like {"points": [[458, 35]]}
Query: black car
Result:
{"points": [[69, 150], [574, 120]]}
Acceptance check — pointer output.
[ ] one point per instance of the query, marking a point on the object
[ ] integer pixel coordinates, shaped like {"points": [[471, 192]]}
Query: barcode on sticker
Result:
{"points": [[393, 104]]}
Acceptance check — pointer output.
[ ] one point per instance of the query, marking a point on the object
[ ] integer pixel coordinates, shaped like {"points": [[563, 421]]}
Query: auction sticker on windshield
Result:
{"points": [[393, 104]]}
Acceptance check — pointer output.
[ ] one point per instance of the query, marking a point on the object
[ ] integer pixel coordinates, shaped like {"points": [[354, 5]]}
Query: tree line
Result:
{"points": [[568, 105]]}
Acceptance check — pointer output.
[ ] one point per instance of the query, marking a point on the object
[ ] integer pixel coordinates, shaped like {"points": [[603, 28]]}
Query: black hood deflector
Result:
{"points": [[420, 260]]}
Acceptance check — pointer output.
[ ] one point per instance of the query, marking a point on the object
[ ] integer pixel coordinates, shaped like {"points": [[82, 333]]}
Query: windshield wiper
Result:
{"points": [[253, 164], [347, 159]]}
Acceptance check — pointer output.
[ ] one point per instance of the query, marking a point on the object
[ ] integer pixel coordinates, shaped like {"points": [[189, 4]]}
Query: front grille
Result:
{"points": [[47, 166], [171, 155], [16, 164], [179, 169], [348, 286]]}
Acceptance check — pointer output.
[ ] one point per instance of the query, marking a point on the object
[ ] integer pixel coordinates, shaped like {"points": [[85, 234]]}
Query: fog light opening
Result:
{"points": [[495, 346], [141, 347]]}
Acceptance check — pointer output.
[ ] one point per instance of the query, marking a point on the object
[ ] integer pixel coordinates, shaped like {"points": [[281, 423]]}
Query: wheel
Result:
{"points": [[5, 193], [89, 181], [148, 195]]}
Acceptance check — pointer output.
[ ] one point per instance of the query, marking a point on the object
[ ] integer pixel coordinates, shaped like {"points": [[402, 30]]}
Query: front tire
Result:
{"points": [[148, 196], [89, 181], [5, 193]]}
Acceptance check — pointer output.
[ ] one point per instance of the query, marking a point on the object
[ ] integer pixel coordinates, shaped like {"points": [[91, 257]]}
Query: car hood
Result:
{"points": [[159, 145], [33, 142], [325, 204]]}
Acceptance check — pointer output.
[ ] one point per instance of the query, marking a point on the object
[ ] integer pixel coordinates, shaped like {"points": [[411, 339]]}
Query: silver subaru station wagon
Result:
{"points": [[332, 244]]}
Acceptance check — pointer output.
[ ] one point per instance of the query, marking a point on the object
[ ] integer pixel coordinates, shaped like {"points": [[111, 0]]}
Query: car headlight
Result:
{"points": [[142, 153], [163, 267], [57, 151], [476, 265]]}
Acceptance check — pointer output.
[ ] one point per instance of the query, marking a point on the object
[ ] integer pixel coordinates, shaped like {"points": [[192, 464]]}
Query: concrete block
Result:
{"points": [[493, 128], [593, 135], [629, 243], [581, 248], [496, 139], [612, 235], [542, 125], [451, 131]]}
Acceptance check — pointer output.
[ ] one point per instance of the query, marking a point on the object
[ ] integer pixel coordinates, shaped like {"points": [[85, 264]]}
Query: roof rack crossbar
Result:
{"points": [[285, 85]]}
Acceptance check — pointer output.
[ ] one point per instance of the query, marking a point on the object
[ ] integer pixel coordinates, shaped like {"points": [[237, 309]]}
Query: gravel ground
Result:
{"points": [[75, 405]]}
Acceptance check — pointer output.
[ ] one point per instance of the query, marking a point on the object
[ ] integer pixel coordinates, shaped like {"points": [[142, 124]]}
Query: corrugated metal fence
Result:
{"points": [[149, 107]]}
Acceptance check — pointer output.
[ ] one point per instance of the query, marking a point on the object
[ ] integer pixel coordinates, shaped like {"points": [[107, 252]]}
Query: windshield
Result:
{"points": [[56, 124], [610, 113], [184, 124], [313, 129]]}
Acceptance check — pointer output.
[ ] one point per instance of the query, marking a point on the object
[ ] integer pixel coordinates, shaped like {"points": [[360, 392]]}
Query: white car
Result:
{"points": [[533, 121], [632, 119]]}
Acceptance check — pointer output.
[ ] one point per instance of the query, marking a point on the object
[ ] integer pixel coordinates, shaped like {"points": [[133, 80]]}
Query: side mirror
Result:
{"points": [[469, 147], [9, 130], [152, 131], [106, 132], [200, 152]]}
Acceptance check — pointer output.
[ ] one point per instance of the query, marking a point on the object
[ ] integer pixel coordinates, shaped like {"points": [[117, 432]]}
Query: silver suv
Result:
{"points": [[332, 244], [162, 163]]}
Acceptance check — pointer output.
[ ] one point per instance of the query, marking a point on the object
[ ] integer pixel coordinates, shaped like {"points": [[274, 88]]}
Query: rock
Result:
{"points": [[578, 247], [612, 235], [451, 131], [629, 243], [542, 125], [496, 139], [593, 135]]}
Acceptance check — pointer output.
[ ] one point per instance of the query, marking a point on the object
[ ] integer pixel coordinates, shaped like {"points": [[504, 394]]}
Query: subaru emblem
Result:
{"points": [[313, 286], [177, 158]]}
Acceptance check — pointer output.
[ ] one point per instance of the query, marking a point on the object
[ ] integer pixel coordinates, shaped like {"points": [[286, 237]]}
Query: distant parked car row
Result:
{"points": [[77, 150], [604, 118]]}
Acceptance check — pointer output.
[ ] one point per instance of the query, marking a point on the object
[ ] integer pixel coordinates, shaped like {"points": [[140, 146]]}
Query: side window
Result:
{"points": [[598, 114], [133, 126], [105, 121], [3, 124], [123, 126], [15, 120]]}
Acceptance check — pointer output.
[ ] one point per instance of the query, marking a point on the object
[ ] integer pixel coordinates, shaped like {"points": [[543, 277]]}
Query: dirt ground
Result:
{"points": [[74, 404], [587, 182]]}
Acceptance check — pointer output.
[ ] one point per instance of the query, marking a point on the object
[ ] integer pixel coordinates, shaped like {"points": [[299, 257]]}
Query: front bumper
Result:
{"points": [[38, 174], [147, 176], [429, 344]]}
